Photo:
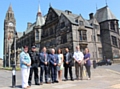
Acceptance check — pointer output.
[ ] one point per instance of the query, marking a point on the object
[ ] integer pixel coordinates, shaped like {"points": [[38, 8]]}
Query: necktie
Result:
{"points": [[45, 56], [54, 59]]}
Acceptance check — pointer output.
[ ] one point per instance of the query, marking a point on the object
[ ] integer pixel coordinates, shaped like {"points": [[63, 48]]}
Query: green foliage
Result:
{"points": [[9, 68]]}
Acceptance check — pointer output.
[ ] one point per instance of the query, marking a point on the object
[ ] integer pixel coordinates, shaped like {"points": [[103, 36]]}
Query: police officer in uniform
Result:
{"points": [[34, 66]]}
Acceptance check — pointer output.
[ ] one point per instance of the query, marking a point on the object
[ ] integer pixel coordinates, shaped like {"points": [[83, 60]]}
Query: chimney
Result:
{"points": [[91, 16], [68, 12], [28, 25]]}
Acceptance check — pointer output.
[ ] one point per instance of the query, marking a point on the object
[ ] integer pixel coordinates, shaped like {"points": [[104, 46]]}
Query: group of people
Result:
{"points": [[52, 65]]}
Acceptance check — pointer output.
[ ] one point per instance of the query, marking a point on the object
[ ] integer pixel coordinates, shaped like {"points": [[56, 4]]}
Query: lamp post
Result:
{"points": [[15, 48], [9, 52]]}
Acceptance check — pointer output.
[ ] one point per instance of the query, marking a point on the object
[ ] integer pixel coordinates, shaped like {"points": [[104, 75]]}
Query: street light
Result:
{"points": [[15, 34]]}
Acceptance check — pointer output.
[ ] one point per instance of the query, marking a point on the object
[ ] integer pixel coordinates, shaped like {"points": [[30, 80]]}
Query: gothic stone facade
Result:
{"points": [[110, 34], [9, 30], [64, 29], [32, 35]]}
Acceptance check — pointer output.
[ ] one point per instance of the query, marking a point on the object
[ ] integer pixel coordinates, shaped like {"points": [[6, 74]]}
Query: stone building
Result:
{"points": [[61, 29], [31, 36], [64, 29], [100, 33], [110, 35], [9, 30]]}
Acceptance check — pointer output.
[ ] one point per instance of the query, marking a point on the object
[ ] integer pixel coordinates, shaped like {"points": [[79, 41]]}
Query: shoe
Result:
{"points": [[89, 78], [53, 82], [41, 83], [77, 78], [56, 81], [48, 82], [81, 78], [37, 84], [72, 79], [66, 79], [28, 86]]}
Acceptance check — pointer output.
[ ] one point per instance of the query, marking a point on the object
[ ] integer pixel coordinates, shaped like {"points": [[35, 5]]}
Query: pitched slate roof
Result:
{"points": [[71, 17], [104, 14], [30, 28], [19, 34]]}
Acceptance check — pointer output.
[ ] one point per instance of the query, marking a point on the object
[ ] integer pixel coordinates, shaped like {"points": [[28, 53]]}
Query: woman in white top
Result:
{"points": [[60, 64]]}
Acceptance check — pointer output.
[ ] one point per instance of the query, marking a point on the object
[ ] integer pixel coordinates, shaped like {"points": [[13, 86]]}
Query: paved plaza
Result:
{"points": [[103, 77]]}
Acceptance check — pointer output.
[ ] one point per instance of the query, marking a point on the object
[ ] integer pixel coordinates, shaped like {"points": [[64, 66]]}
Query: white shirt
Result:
{"points": [[60, 58], [78, 55]]}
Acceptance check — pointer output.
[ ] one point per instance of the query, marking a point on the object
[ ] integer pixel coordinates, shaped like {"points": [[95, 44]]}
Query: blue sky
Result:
{"points": [[26, 10]]}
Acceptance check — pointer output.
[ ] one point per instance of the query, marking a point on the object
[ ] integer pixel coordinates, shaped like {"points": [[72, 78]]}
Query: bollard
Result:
{"points": [[13, 76], [94, 64]]}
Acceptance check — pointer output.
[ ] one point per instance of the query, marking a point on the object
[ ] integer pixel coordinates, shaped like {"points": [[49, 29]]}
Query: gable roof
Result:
{"points": [[19, 34], [93, 21], [71, 17], [104, 14]]}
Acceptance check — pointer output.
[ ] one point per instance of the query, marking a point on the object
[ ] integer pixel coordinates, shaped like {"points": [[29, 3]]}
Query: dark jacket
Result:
{"points": [[51, 59], [70, 60], [34, 59], [42, 59]]}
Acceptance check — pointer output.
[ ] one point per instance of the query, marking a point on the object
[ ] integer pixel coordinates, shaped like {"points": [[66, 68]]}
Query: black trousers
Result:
{"points": [[42, 70], [88, 70], [54, 73], [49, 72], [67, 67], [36, 78]]}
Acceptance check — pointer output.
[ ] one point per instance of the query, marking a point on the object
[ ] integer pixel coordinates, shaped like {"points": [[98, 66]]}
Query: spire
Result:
{"points": [[39, 19], [10, 7], [39, 11], [10, 13]]}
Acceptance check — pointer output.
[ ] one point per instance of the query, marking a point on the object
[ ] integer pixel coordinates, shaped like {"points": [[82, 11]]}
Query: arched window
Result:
{"points": [[51, 31], [37, 35], [112, 25]]}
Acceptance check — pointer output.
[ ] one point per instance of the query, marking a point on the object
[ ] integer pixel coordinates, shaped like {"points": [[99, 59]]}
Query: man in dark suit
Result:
{"points": [[34, 66], [68, 63], [44, 63], [53, 64]]}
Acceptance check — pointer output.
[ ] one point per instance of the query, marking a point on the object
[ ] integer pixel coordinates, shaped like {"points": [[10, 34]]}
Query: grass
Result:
{"points": [[9, 68]]}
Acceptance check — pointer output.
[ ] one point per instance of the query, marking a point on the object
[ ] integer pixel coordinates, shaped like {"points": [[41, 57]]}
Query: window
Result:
{"points": [[81, 23], [62, 25], [100, 52], [96, 26], [83, 35], [63, 38], [114, 40], [37, 35], [51, 31], [48, 44], [76, 20], [112, 25], [119, 42], [117, 26], [98, 38], [37, 45], [82, 47], [50, 17]]}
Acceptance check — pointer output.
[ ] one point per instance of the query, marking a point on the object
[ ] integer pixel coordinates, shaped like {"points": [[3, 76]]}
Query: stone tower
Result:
{"points": [[9, 30], [110, 35]]}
